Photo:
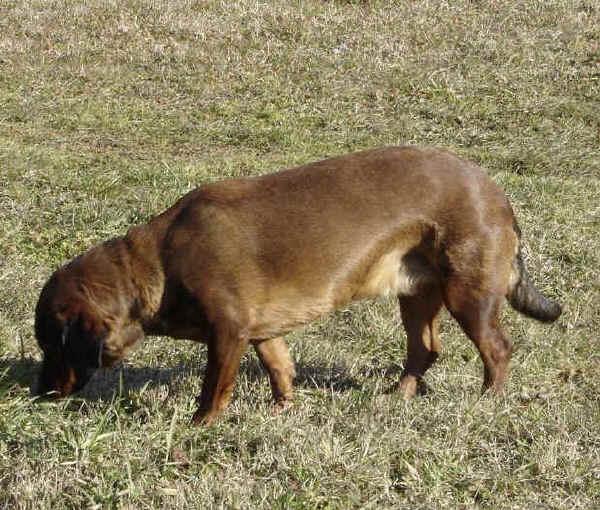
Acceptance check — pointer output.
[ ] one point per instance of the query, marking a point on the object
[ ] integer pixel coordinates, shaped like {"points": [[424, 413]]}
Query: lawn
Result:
{"points": [[109, 111]]}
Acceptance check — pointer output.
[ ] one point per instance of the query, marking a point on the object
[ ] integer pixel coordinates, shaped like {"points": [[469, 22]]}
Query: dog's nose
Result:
{"points": [[35, 389], [43, 392]]}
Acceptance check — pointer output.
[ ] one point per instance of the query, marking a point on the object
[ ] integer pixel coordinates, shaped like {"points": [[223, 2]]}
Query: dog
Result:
{"points": [[244, 261]]}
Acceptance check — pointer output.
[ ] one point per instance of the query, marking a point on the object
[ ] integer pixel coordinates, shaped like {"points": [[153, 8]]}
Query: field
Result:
{"points": [[110, 111]]}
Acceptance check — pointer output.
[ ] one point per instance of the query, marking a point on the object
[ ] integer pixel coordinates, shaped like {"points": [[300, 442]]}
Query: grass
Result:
{"points": [[109, 111]]}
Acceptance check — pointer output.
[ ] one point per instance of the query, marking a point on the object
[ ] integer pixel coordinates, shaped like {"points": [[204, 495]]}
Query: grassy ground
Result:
{"points": [[109, 111]]}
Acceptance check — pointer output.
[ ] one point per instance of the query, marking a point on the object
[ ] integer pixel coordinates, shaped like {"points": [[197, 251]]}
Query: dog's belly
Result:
{"points": [[396, 273]]}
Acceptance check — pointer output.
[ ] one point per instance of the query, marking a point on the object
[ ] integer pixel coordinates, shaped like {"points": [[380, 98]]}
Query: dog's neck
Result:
{"points": [[146, 271]]}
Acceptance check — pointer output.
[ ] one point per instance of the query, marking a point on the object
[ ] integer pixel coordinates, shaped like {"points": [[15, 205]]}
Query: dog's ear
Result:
{"points": [[83, 341]]}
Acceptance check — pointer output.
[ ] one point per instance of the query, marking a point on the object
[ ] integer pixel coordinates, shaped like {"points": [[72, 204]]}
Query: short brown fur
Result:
{"points": [[244, 261]]}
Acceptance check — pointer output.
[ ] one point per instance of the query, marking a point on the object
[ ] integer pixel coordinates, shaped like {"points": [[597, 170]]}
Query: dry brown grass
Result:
{"points": [[111, 110]]}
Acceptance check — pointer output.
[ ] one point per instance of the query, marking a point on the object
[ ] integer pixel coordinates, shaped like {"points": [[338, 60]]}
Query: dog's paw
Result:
{"points": [[281, 406], [203, 418], [409, 387]]}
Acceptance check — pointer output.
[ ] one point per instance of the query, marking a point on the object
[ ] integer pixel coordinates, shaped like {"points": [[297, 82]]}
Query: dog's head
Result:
{"points": [[82, 322], [70, 334]]}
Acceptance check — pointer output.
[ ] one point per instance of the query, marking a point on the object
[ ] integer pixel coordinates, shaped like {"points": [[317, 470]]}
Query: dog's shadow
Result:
{"points": [[104, 385], [125, 378], [18, 372]]}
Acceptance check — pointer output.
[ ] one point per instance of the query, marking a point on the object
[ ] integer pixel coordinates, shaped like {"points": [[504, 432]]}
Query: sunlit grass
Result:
{"points": [[111, 111]]}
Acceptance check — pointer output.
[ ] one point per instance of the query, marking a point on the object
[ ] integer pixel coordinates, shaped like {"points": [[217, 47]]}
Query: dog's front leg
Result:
{"points": [[225, 351], [276, 360]]}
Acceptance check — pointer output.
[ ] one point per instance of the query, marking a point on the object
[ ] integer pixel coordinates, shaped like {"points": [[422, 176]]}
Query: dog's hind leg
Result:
{"points": [[477, 311], [225, 351], [276, 360], [420, 318]]}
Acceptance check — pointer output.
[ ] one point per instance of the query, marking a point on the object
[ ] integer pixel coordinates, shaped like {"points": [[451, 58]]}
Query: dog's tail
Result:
{"points": [[524, 297]]}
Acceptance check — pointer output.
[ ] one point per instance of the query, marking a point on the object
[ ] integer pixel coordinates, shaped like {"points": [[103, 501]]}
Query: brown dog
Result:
{"points": [[244, 261]]}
